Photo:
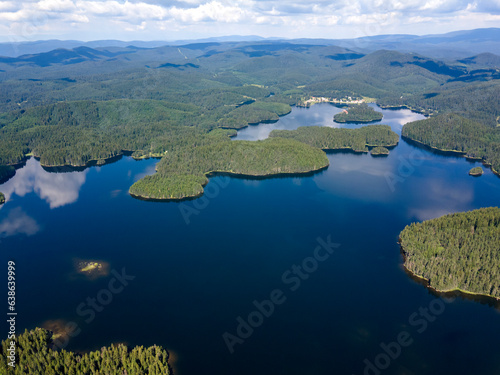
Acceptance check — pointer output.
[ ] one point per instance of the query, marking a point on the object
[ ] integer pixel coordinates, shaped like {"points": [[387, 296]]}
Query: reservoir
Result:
{"points": [[290, 275]]}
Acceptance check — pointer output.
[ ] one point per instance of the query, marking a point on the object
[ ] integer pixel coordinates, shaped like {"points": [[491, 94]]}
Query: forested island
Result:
{"points": [[379, 151], [357, 140], [2, 198], [456, 252], [183, 173], [35, 354], [476, 171], [358, 113], [453, 133]]}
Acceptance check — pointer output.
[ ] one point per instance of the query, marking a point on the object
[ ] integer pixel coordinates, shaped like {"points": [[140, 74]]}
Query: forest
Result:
{"points": [[35, 356], [451, 132], [456, 251], [87, 105], [75, 133], [2, 198], [182, 173], [476, 171], [475, 100], [358, 113], [357, 140], [376, 151]]}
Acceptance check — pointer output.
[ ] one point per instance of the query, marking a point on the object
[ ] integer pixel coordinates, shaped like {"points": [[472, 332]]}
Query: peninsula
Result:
{"points": [[182, 173]]}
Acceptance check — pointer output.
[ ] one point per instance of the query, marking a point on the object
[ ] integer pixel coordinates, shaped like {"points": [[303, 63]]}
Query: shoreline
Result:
{"points": [[402, 106], [357, 122], [458, 154], [232, 175], [425, 282], [123, 152]]}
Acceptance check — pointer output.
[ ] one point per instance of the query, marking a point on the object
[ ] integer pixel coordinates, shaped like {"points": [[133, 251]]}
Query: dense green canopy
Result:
{"points": [[451, 132], [75, 133], [358, 113], [457, 251], [338, 139], [379, 151], [35, 356], [181, 173]]}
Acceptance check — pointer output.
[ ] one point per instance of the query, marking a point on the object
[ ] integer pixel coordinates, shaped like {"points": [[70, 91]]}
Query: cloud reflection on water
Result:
{"points": [[441, 197], [57, 189], [18, 222]]}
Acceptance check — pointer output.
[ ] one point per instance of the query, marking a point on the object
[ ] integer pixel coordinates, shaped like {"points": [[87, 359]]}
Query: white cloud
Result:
{"points": [[212, 11], [200, 18], [56, 5], [8, 6]]}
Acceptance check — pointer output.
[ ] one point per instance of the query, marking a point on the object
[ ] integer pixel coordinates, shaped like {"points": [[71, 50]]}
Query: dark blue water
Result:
{"points": [[199, 265]]}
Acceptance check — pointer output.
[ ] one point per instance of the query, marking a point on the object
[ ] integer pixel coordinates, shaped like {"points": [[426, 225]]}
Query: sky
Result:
{"points": [[30, 20]]}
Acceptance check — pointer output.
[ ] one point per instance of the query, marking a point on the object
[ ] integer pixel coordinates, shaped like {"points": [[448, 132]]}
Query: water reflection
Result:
{"points": [[442, 196], [57, 189], [18, 222], [322, 115], [151, 170]]}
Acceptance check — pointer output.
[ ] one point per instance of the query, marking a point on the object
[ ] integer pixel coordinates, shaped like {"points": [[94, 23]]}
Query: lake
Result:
{"points": [[195, 270]]}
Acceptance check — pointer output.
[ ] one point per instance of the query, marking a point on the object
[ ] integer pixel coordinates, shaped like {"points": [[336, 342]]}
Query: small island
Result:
{"points": [[379, 151], [476, 172], [2, 198], [358, 113], [456, 252], [37, 353], [91, 268]]}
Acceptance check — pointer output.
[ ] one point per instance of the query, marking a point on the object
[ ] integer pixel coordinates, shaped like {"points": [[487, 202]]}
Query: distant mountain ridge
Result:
{"points": [[17, 49], [453, 45]]}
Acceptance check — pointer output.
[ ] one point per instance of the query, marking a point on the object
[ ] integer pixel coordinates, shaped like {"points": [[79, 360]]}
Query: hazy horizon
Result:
{"points": [[237, 37], [152, 20]]}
